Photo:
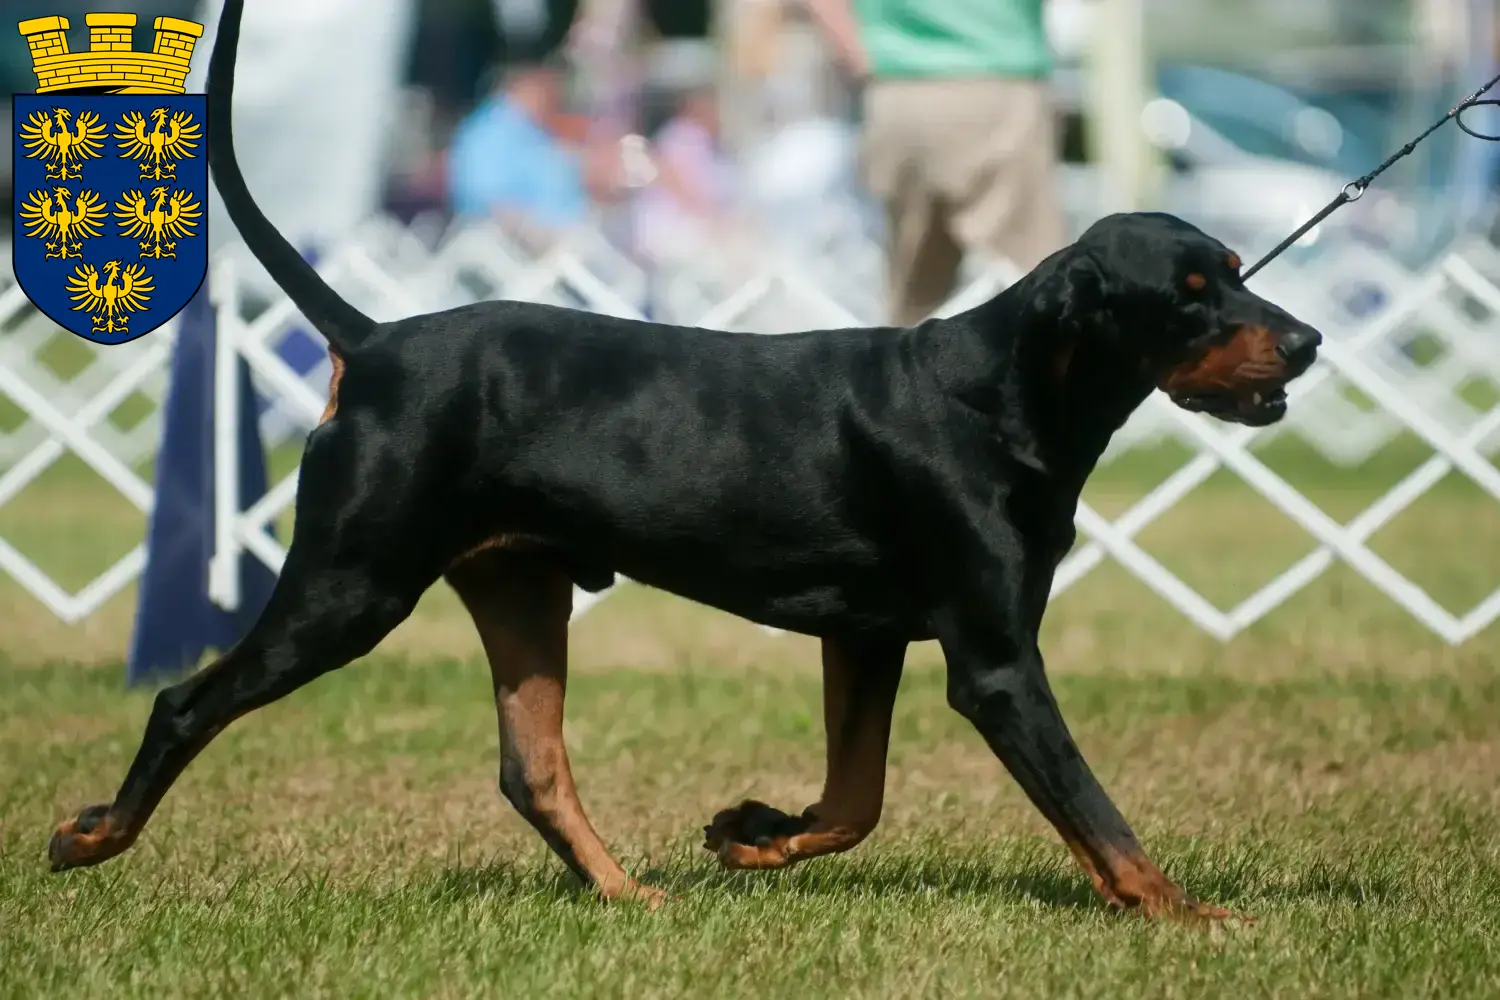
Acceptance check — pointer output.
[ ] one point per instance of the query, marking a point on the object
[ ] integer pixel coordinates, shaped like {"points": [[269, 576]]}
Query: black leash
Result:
{"points": [[1355, 188]]}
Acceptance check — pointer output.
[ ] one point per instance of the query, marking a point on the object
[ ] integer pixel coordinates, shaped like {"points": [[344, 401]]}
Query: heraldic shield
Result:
{"points": [[109, 234]]}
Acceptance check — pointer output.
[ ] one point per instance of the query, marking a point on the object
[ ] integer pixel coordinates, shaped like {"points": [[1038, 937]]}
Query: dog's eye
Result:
{"points": [[1233, 260], [1196, 281]]}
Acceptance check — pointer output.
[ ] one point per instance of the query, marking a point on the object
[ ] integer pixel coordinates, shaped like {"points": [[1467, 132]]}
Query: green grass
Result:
{"points": [[349, 842], [1333, 772]]}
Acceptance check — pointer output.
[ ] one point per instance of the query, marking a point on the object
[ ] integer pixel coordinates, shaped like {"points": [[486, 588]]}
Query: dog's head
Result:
{"points": [[1170, 300]]}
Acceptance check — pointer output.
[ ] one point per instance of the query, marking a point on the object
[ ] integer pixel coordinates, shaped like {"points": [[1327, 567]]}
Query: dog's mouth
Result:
{"points": [[1257, 407]]}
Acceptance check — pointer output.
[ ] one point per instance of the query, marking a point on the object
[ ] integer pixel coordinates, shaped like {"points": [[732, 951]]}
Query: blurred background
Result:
{"points": [[1277, 646], [770, 165], [739, 126]]}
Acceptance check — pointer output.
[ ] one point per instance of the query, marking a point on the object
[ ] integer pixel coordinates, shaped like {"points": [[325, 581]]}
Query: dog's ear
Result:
{"points": [[1078, 291], [1072, 294], [1081, 280]]}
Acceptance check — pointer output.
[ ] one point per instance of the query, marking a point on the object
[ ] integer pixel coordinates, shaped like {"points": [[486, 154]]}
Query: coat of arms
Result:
{"points": [[111, 176]]}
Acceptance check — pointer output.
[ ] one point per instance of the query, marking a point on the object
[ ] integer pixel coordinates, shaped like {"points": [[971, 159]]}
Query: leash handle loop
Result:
{"points": [[1475, 133]]}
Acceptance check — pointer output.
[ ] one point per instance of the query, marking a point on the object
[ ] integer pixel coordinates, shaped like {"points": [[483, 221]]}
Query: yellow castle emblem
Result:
{"points": [[111, 65]]}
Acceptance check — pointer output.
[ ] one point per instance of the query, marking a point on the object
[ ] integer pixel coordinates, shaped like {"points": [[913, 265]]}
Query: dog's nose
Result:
{"points": [[1298, 346]]}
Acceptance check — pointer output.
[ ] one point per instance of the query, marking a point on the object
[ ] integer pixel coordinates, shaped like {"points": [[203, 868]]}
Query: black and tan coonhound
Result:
{"points": [[871, 487]]}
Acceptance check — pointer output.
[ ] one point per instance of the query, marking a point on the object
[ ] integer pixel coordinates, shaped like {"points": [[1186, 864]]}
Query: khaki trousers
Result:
{"points": [[962, 166]]}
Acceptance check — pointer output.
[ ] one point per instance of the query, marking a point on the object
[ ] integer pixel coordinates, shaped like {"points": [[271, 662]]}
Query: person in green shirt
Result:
{"points": [[959, 134]]}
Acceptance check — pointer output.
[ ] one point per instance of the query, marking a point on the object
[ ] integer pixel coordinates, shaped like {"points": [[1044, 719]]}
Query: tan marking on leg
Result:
{"points": [[859, 695], [1129, 880], [111, 834], [521, 607], [70, 847]]}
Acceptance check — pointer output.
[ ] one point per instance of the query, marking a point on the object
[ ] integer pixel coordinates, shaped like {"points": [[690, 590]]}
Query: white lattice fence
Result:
{"points": [[1413, 360], [62, 415]]}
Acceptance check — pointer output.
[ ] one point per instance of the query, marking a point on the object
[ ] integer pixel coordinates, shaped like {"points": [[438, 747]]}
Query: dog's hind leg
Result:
{"points": [[520, 604], [354, 571], [860, 678], [318, 619]]}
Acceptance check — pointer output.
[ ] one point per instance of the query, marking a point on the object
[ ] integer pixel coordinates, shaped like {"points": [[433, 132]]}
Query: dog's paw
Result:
{"points": [[648, 896], [86, 839], [1193, 911], [753, 835], [1182, 907], [628, 890]]}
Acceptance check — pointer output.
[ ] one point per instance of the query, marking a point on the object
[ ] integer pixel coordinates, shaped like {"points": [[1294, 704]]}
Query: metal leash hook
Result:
{"points": [[1356, 188]]}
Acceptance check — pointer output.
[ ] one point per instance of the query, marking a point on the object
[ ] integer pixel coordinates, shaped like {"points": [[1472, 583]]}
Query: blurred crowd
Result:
{"points": [[552, 114], [942, 126], [525, 155], [935, 120]]}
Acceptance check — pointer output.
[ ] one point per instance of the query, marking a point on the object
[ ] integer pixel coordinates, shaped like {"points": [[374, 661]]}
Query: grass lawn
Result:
{"points": [[1334, 772]]}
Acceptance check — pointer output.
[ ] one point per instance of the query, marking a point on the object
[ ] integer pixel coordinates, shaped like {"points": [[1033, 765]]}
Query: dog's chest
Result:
{"points": [[1047, 536]]}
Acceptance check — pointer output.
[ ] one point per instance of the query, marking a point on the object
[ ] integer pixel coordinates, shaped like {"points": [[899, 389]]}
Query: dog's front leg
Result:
{"points": [[860, 678], [996, 680]]}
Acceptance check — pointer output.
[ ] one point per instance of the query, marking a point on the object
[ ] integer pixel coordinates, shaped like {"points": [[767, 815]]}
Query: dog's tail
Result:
{"points": [[343, 325]]}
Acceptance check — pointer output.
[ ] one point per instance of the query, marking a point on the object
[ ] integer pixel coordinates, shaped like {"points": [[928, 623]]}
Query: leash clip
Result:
{"points": [[1357, 187]]}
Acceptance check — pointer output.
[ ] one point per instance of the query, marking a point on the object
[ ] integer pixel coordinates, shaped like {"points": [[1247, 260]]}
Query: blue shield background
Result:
{"points": [[175, 280]]}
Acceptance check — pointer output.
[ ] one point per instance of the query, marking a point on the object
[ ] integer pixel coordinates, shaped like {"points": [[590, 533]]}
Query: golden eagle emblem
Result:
{"points": [[159, 223], [48, 137], [49, 217], [171, 137], [109, 303]]}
